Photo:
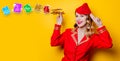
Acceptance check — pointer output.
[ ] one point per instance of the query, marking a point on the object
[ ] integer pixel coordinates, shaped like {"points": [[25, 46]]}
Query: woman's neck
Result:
{"points": [[83, 29]]}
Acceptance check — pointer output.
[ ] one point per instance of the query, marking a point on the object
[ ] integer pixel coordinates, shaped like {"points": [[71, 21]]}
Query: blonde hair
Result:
{"points": [[90, 27]]}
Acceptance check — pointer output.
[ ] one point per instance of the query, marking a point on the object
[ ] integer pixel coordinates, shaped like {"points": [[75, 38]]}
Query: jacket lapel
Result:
{"points": [[75, 37], [84, 39]]}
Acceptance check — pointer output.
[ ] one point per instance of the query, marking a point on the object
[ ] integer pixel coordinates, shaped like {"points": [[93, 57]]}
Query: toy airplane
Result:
{"points": [[57, 11]]}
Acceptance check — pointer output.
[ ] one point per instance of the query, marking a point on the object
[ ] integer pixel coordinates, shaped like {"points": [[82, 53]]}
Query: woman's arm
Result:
{"points": [[102, 39], [57, 38]]}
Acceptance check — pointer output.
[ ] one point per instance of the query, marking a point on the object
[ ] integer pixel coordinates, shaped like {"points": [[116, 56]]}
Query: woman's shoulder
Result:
{"points": [[93, 36], [68, 29]]}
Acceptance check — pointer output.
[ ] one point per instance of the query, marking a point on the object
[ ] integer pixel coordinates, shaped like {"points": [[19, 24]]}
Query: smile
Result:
{"points": [[79, 22]]}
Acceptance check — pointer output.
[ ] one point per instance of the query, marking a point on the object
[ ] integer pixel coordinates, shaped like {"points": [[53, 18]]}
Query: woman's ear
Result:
{"points": [[87, 17]]}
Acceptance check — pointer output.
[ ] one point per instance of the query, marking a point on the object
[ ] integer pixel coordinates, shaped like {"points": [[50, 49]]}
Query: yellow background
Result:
{"points": [[26, 37]]}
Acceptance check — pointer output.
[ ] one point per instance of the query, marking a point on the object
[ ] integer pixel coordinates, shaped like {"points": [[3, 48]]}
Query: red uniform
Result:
{"points": [[81, 51]]}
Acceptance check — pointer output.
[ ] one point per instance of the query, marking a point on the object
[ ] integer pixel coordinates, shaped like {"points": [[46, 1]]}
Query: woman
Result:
{"points": [[80, 41]]}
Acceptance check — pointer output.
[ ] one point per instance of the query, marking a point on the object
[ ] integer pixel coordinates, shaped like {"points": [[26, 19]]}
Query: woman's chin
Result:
{"points": [[81, 26]]}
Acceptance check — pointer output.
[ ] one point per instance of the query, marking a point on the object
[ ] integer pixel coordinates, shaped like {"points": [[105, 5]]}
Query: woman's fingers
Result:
{"points": [[59, 19], [92, 16], [60, 15], [96, 20]]}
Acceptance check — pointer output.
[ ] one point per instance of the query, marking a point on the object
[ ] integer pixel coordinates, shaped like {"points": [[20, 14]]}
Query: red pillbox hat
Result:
{"points": [[83, 9]]}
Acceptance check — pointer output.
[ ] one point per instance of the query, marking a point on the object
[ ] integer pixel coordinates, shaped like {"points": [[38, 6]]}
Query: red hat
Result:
{"points": [[84, 9]]}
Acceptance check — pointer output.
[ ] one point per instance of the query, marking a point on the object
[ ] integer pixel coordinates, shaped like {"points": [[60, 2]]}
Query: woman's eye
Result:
{"points": [[82, 16], [76, 15]]}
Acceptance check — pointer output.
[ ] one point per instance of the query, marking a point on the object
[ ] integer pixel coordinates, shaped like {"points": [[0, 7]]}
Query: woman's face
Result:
{"points": [[81, 20]]}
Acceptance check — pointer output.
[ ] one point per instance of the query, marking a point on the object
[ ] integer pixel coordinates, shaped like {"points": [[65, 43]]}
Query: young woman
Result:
{"points": [[80, 41]]}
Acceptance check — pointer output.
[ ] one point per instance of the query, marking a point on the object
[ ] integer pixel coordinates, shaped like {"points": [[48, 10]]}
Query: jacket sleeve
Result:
{"points": [[102, 39], [57, 38]]}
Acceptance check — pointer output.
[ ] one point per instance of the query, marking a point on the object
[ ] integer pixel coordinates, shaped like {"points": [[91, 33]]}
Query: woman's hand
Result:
{"points": [[59, 19], [97, 21]]}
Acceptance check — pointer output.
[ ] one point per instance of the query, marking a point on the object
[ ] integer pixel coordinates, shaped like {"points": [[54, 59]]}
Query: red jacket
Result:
{"points": [[80, 52]]}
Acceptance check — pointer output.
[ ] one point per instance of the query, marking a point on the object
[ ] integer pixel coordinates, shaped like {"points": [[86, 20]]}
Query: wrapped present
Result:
{"points": [[6, 10], [27, 8], [17, 8], [46, 9], [57, 11], [38, 7]]}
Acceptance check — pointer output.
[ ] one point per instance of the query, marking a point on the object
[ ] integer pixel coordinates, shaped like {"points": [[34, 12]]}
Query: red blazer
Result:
{"points": [[80, 52]]}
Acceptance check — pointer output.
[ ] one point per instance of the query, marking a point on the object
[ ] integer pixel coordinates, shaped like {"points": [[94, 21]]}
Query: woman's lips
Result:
{"points": [[79, 22]]}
